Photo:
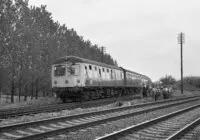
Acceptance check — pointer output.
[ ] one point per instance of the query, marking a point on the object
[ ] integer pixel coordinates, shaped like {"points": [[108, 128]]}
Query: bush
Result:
{"points": [[190, 83]]}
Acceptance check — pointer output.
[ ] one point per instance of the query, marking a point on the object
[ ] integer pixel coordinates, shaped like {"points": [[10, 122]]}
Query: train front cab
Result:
{"points": [[67, 79]]}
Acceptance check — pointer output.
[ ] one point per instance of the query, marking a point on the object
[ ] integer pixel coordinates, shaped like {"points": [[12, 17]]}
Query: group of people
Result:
{"points": [[156, 92]]}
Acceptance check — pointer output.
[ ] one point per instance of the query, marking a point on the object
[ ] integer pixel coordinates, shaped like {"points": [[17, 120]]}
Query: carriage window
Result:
{"points": [[90, 67], [86, 71], [59, 70], [100, 72], [74, 69], [111, 74], [103, 69], [95, 68], [107, 70]]}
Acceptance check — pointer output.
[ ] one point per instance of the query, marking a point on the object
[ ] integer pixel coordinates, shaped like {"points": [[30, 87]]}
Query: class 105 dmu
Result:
{"points": [[80, 79]]}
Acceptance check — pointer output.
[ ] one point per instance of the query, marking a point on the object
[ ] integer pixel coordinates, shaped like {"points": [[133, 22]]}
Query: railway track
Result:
{"points": [[8, 113], [50, 127], [189, 132], [170, 127]]}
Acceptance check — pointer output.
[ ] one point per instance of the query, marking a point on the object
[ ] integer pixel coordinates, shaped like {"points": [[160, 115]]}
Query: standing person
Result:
{"points": [[158, 92], [170, 90], [148, 90], [144, 91], [165, 93], [154, 91]]}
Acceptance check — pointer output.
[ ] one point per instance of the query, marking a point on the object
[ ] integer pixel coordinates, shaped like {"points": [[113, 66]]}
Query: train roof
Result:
{"points": [[144, 76], [133, 72], [75, 59]]}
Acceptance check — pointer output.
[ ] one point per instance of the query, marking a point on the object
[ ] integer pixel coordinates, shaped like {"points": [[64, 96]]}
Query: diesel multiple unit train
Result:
{"points": [[78, 79]]}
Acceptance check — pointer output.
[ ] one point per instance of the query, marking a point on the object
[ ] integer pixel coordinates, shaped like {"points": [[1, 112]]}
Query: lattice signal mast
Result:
{"points": [[181, 41]]}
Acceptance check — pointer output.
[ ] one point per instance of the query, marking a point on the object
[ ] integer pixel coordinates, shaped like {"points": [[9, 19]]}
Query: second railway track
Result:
{"points": [[188, 132], [169, 127], [6, 113]]}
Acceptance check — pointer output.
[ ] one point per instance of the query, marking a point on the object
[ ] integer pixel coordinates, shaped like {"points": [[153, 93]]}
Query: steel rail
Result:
{"points": [[6, 113], [86, 124], [145, 124], [51, 108], [184, 130], [5, 127]]}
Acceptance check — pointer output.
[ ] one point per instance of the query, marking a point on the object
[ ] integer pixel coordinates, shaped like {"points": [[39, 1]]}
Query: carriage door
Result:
{"points": [[74, 72]]}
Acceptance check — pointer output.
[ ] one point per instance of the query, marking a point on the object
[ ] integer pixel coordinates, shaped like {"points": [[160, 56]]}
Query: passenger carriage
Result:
{"points": [[77, 78], [73, 76]]}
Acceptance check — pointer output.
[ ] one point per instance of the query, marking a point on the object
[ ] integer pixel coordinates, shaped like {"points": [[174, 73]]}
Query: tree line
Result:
{"points": [[30, 40], [189, 82]]}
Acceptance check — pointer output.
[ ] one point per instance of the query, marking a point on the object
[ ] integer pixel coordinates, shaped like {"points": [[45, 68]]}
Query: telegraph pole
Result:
{"points": [[181, 41], [103, 50]]}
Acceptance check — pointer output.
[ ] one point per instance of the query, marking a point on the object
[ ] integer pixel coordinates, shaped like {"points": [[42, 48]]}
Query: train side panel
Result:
{"points": [[133, 80], [98, 76]]}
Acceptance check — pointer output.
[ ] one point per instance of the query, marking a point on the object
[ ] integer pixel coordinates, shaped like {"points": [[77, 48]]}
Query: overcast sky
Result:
{"points": [[140, 34]]}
